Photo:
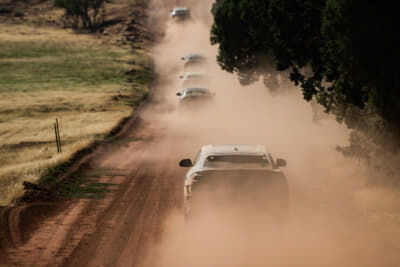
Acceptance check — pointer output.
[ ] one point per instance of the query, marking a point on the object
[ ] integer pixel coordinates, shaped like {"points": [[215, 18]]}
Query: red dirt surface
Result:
{"points": [[119, 227]]}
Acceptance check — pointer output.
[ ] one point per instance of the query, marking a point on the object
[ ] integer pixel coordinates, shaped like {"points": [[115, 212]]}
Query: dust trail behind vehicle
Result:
{"points": [[324, 227]]}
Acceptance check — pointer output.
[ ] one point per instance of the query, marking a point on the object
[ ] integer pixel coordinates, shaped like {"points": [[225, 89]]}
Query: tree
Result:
{"points": [[361, 55], [85, 13], [343, 53], [239, 29]]}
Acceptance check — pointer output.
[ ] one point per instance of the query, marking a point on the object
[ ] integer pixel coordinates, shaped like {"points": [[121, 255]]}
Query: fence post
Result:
{"points": [[55, 132], [58, 133]]}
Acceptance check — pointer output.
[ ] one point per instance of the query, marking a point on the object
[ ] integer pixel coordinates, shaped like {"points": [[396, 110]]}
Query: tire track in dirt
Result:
{"points": [[106, 236], [118, 229], [134, 221]]}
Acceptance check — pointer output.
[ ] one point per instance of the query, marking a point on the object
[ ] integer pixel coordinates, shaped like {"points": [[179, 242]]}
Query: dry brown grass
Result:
{"points": [[49, 73]]}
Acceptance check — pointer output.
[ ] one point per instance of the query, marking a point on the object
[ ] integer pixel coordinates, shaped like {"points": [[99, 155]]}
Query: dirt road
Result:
{"points": [[132, 225], [118, 228]]}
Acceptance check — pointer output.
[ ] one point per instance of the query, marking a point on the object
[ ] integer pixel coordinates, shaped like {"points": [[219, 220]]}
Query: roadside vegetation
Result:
{"points": [[342, 54], [48, 73], [83, 13]]}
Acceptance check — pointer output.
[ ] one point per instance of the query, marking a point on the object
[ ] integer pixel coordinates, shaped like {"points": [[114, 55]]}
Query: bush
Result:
{"points": [[83, 13], [19, 12], [4, 9]]}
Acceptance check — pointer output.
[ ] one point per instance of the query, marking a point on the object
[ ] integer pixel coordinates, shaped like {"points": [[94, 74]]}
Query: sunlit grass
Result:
{"points": [[48, 73], [56, 66]]}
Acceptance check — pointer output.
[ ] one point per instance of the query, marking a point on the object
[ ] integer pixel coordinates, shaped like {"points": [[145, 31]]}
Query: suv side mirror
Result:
{"points": [[180, 77], [186, 163], [182, 58], [178, 94], [280, 163]]}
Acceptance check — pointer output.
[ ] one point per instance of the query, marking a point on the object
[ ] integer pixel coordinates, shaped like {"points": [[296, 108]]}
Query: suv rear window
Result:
{"points": [[195, 58], [237, 161], [197, 93], [182, 11]]}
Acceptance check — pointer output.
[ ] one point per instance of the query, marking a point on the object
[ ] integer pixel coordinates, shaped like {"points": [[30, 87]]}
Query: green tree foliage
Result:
{"points": [[343, 53], [84, 13], [239, 29]]}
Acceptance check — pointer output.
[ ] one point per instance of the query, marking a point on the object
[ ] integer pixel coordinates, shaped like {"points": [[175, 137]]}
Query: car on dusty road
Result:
{"points": [[195, 97], [235, 174], [195, 79], [194, 61], [180, 13]]}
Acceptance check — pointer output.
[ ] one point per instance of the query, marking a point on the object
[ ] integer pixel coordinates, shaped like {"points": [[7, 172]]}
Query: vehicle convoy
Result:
{"points": [[195, 97], [195, 79], [194, 61], [236, 175], [181, 13]]}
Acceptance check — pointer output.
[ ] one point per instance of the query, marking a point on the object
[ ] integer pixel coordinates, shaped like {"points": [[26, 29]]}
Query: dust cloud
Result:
{"points": [[324, 227]]}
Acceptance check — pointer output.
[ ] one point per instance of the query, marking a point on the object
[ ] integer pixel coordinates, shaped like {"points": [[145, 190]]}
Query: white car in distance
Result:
{"points": [[194, 62], [181, 13], [195, 79], [195, 97]]}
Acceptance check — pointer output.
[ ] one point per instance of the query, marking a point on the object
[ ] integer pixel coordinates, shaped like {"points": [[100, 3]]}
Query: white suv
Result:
{"points": [[195, 97], [180, 13], [245, 170]]}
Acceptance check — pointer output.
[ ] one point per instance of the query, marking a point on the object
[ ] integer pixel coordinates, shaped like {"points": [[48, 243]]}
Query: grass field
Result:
{"points": [[49, 73]]}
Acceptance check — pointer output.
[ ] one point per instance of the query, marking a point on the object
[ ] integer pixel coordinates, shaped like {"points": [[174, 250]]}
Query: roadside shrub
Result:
{"points": [[83, 13], [4, 9], [18, 12]]}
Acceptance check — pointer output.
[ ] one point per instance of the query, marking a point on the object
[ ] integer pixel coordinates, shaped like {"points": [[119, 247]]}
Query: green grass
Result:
{"points": [[28, 67], [87, 189], [82, 186], [49, 73], [51, 175], [31, 49]]}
